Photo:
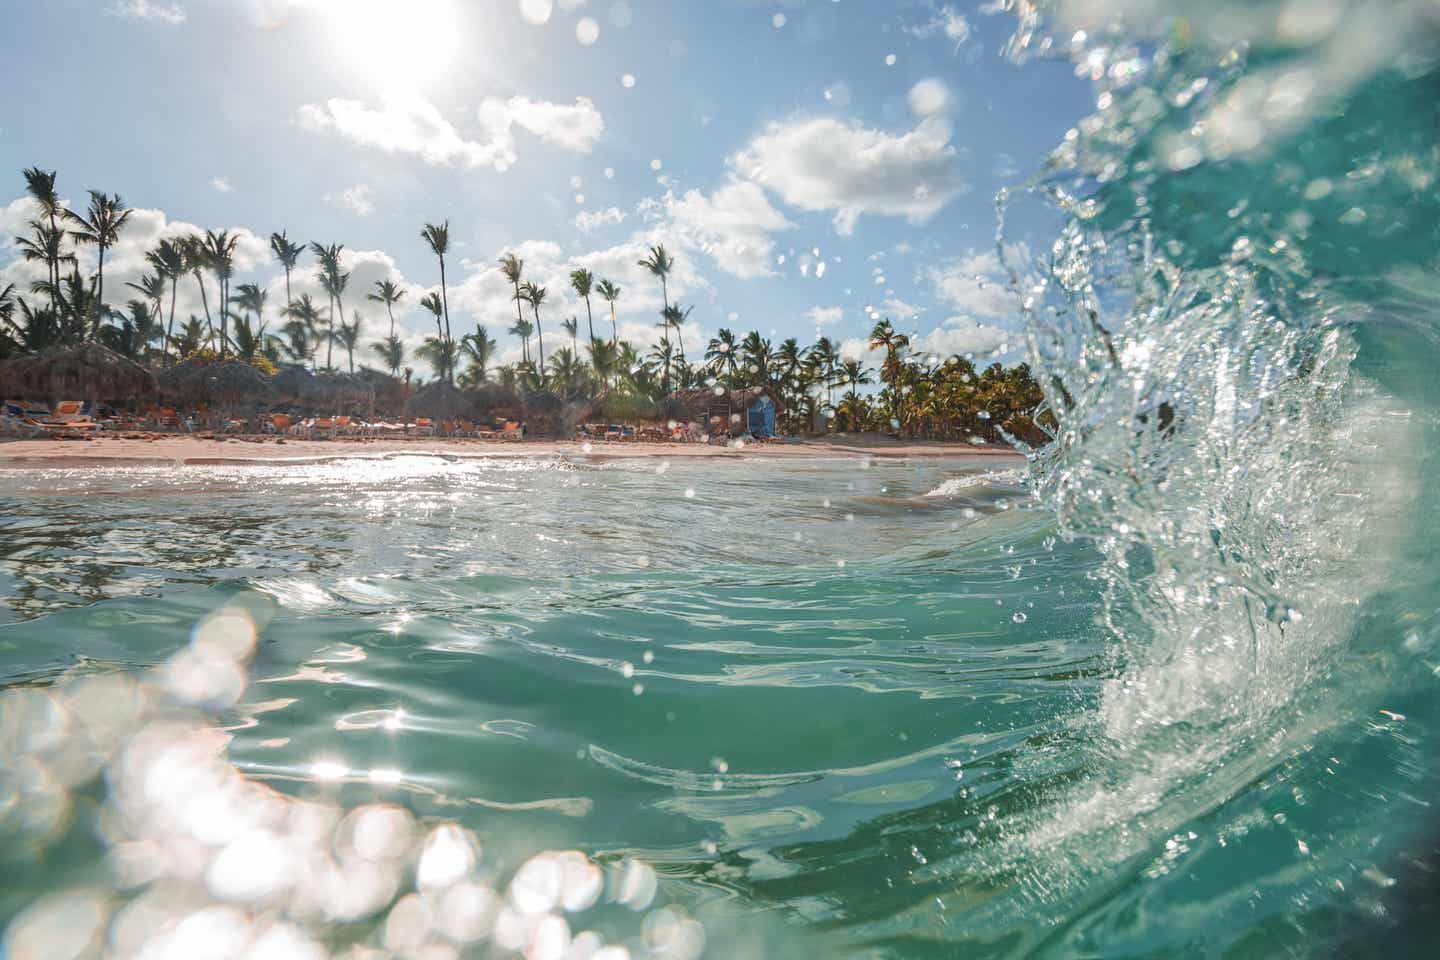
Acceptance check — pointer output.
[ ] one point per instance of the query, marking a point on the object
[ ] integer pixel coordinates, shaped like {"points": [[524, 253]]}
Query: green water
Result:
{"points": [[1169, 690]]}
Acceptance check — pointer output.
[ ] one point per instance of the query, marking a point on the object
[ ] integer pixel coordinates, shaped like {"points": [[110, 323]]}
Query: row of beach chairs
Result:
{"points": [[68, 419]]}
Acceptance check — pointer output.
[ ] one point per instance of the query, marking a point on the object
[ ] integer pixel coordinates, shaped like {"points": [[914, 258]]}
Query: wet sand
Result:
{"points": [[169, 449]]}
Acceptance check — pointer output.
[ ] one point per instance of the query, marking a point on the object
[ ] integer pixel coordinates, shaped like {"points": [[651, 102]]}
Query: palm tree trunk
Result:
{"points": [[589, 318], [390, 310], [540, 337], [664, 291], [99, 293], [288, 299], [205, 302], [445, 303]]}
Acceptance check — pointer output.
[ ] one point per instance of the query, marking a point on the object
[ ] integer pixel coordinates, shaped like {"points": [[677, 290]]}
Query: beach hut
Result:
{"points": [[87, 372], [228, 385], [345, 393], [749, 411], [297, 386], [441, 401], [391, 393]]}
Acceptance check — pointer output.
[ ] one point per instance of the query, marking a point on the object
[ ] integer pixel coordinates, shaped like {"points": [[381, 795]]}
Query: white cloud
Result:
{"points": [[146, 10], [899, 310], [411, 124], [975, 284], [222, 184], [945, 21], [585, 221], [356, 200], [732, 225], [573, 127], [826, 164], [858, 348], [825, 316], [963, 336]]}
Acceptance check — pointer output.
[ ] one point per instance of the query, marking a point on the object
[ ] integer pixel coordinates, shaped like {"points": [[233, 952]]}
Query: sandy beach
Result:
{"points": [[201, 451]]}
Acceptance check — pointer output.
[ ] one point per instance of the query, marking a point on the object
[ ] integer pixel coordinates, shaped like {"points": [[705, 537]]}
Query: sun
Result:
{"points": [[398, 47]]}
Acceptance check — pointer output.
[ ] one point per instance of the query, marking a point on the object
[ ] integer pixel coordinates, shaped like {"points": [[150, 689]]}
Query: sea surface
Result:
{"points": [[1168, 686]]}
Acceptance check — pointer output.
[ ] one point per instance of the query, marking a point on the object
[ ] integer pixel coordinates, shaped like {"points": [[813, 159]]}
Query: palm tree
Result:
{"points": [[348, 336], [479, 349], [250, 297], [168, 261], [675, 317], [883, 336], [582, 281], [722, 357], [48, 247], [663, 355], [392, 352], [288, 254], [333, 282], [514, 270], [610, 292], [305, 321], [220, 253], [440, 354], [439, 240], [41, 187], [431, 301], [572, 327], [853, 374], [190, 338], [388, 293], [605, 359], [536, 296], [251, 343], [100, 225], [660, 263], [823, 358], [522, 328], [756, 351], [151, 286], [195, 263]]}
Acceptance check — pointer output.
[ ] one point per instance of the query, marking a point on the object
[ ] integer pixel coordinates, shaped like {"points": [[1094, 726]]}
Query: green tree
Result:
{"points": [[582, 282], [100, 225], [660, 263], [168, 261], [289, 255], [220, 255], [535, 296], [610, 292], [348, 336], [438, 239], [40, 185], [388, 293], [479, 349]]}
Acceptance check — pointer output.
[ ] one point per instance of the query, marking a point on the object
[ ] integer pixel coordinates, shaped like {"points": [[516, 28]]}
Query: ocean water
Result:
{"points": [[1165, 687]]}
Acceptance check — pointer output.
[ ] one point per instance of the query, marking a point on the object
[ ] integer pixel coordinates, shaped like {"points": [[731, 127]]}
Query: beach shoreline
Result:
{"points": [[188, 450]]}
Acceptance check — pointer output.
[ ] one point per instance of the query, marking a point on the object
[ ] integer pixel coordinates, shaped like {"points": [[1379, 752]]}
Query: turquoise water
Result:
{"points": [[1167, 689]]}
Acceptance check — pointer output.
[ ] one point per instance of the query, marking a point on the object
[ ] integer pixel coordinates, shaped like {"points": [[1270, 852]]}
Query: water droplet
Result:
{"points": [[1019, 617]]}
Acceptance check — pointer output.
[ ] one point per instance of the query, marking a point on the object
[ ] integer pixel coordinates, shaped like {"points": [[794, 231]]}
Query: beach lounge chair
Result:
{"points": [[14, 421], [424, 427], [72, 413], [511, 431]]}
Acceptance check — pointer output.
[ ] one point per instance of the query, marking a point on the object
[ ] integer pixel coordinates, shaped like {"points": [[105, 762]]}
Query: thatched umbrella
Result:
{"points": [[496, 399], [390, 392], [344, 392], [89, 371], [442, 401], [225, 385], [297, 386]]}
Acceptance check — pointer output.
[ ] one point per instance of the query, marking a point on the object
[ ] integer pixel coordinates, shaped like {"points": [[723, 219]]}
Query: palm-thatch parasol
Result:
{"points": [[226, 385], [496, 399], [442, 401], [345, 393], [296, 385], [390, 392], [89, 371]]}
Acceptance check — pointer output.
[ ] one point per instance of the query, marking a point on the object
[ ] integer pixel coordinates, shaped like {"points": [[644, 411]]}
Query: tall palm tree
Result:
{"points": [[675, 317], [854, 374], [47, 246], [432, 302], [40, 184], [152, 287], [722, 357], [100, 224], [610, 292], [756, 351], [438, 237], [305, 317], [220, 253], [522, 328], [660, 263], [479, 349], [605, 359], [582, 282], [823, 358], [348, 336], [535, 296], [333, 282], [883, 336], [250, 297], [392, 352], [288, 254], [440, 354], [168, 261], [388, 293], [514, 270], [663, 355], [195, 263], [572, 327]]}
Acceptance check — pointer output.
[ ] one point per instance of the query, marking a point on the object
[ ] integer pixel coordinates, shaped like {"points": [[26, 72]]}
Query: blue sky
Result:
{"points": [[758, 141]]}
